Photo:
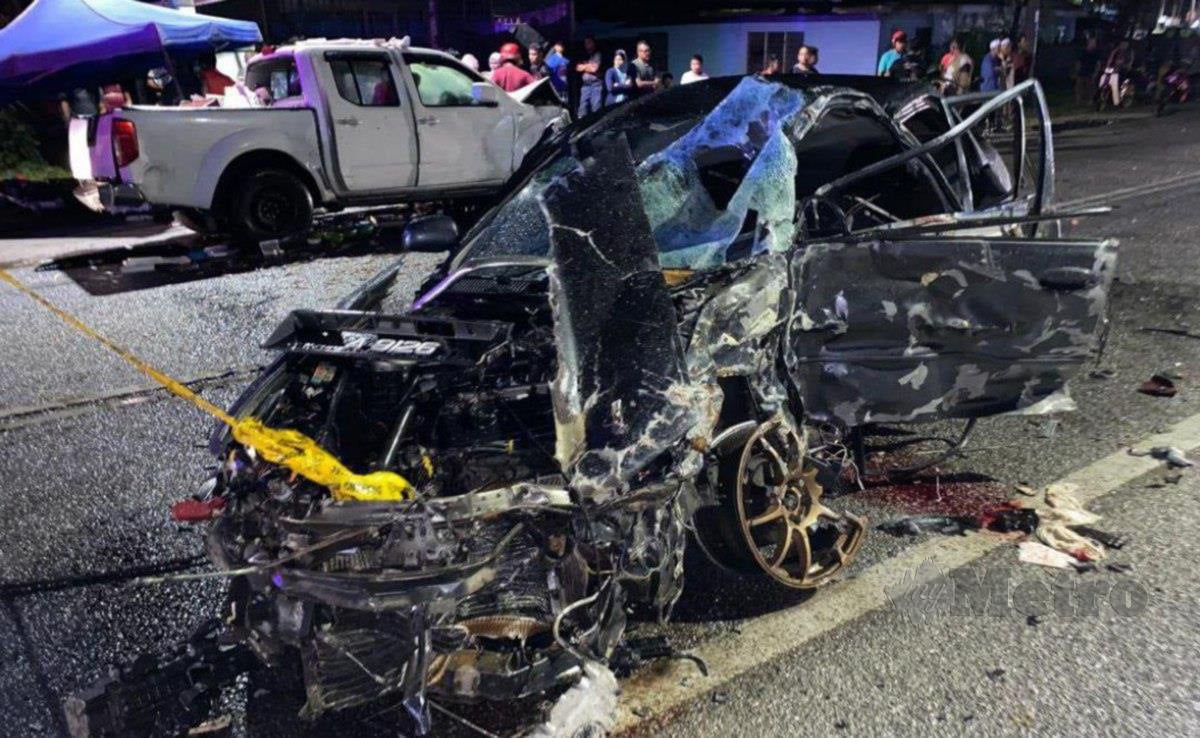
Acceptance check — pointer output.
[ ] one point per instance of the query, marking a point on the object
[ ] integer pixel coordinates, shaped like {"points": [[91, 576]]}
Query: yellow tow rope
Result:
{"points": [[288, 448]]}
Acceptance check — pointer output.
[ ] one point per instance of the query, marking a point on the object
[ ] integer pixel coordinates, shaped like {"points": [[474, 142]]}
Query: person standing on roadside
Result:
{"points": [[509, 76], [1022, 60], [645, 76], [537, 63], [806, 60], [1006, 61], [1087, 70], [557, 65], [991, 69], [957, 67], [695, 72], [893, 54], [591, 87], [618, 82]]}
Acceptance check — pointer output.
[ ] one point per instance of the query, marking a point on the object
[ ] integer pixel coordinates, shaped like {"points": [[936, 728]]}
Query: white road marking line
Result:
{"points": [[1125, 193], [661, 689]]}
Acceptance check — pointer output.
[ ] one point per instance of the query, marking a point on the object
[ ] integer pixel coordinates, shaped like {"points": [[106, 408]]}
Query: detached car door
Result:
{"points": [[373, 137], [927, 328], [463, 141]]}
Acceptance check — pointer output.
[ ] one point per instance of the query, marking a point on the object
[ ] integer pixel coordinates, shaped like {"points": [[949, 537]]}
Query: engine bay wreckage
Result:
{"points": [[665, 332]]}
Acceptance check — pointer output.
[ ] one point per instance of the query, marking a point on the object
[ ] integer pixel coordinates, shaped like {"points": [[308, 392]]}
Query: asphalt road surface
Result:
{"points": [[92, 456]]}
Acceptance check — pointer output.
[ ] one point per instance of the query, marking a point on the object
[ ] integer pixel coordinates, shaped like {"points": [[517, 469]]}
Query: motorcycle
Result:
{"points": [[1174, 87], [1126, 89]]}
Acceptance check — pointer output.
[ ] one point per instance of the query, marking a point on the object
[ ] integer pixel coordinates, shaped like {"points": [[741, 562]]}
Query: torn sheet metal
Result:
{"points": [[933, 328], [622, 396]]}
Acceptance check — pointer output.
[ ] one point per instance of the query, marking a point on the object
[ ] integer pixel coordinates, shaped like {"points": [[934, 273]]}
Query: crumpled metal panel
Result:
{"points": [[729, 337], [750, 128], [935, 328], [622, 395]]}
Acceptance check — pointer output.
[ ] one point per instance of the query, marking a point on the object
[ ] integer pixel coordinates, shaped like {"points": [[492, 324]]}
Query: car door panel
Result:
{"points": [[462, 142], [371, 121], [930, 328]]}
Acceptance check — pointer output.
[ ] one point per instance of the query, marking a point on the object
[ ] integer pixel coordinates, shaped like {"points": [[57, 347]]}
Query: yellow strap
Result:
{"points": [[288, 448]]}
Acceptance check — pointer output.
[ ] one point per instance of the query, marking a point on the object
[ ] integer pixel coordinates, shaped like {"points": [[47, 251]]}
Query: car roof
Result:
{"points": [[349, 44]]}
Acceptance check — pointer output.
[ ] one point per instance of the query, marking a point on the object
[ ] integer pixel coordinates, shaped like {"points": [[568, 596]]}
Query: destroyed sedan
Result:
{"points": [[664, 333]]}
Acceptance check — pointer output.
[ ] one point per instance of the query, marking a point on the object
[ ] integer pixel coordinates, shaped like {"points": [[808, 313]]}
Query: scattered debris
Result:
{"points": [[841, 724], [1032, 552], [1158, 386], [1114, 541], [196, 511], [218, 727], [1102, 373], [1033, 620], [1026, 489], [1056, 522], [912, 525], [1175, 458], [996, 675], [1170, 331], [588, 708], [1049, 428], [720, 697], [1010, 517], [1119, 568]]}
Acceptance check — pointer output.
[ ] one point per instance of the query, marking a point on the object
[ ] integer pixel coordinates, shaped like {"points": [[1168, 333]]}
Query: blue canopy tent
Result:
{"points": [[57, 45]]}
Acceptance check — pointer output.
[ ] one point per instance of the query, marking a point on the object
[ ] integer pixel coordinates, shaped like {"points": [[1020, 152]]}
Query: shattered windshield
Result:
{"points": [[715, 182]]}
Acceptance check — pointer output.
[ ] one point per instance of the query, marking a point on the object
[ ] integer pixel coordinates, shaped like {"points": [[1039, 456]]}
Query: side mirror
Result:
{"points": [[484, 93], [431, 233]]}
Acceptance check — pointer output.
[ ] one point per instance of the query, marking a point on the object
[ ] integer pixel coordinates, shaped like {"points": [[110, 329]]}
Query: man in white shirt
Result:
{"points": [[695, 71]]}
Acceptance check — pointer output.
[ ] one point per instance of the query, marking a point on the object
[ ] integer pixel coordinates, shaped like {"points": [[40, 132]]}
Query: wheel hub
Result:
{"points": [[791, 534]]}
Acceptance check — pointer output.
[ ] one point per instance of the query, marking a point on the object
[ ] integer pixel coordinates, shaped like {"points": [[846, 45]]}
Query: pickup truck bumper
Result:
{"points": [[119, 195]]}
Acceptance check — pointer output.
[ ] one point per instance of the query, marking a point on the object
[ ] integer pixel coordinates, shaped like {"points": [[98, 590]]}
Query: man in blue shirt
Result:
{"points": [[892, 55], [558, 64]]}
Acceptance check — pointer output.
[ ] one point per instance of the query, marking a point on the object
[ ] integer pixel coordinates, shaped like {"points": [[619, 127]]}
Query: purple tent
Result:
{"points": [[56, 45]]}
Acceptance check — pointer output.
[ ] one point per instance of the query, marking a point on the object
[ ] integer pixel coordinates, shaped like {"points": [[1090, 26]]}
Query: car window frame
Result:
{"points": [[411, 58], [364, 56]]}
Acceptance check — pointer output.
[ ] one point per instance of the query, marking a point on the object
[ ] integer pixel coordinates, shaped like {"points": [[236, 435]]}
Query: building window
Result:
{"points": [[762, 45]]}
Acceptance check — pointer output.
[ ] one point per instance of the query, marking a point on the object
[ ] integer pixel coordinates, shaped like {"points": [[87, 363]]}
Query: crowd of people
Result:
{"points": [[598, 86], [1002, 66]]}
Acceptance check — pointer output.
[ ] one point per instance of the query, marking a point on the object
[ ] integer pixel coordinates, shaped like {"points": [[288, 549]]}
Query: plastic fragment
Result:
{"points": [[1158, 386], [197, 511], [1032, 552]]}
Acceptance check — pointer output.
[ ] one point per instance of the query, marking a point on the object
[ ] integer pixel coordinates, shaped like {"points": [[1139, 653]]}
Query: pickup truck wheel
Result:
{"points": [[270, 204]]}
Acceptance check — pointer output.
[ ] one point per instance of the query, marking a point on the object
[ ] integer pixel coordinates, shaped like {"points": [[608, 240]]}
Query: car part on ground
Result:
{"points": [[639, 342]]}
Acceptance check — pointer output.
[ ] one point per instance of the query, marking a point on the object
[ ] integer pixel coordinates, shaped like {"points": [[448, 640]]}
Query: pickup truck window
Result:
{"points": [[278, 77], [365, 81], [440, 85]]}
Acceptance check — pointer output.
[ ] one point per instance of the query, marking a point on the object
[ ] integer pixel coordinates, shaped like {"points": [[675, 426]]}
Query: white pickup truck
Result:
{"points": [[341, 123]]}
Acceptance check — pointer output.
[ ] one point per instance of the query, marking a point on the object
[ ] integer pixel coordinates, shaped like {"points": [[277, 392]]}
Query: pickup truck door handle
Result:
{"points": [[1067, 279], [428, 121], [346, 121]]}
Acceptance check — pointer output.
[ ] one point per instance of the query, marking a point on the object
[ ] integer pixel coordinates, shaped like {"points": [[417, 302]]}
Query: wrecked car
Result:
{"points": [[665, 332]]}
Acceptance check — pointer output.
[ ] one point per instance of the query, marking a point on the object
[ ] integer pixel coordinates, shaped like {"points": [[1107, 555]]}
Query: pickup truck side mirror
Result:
{"points": [[484, 93], [431, 233]]}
